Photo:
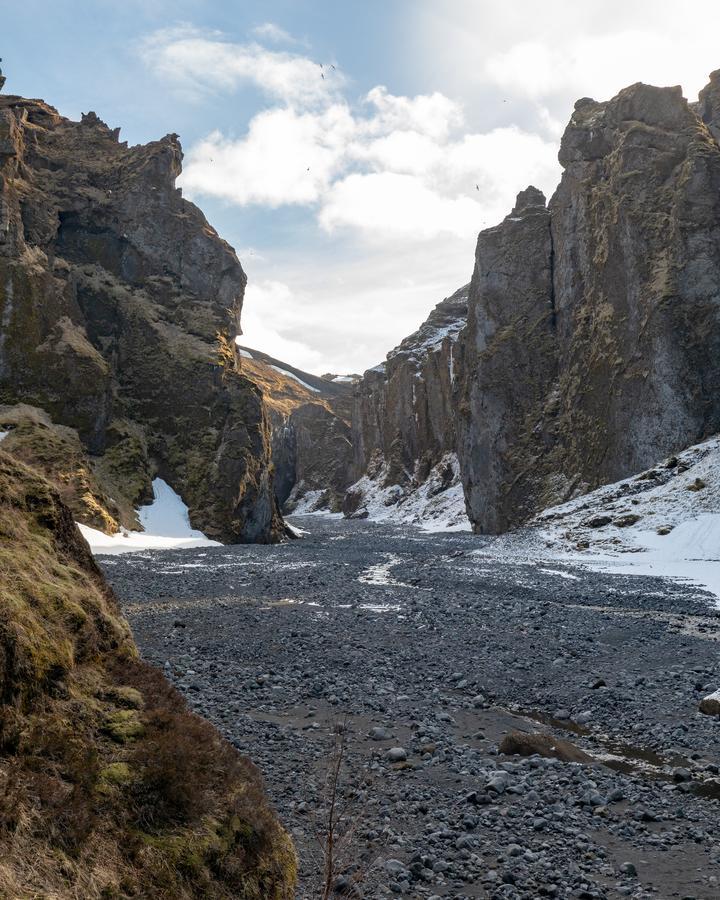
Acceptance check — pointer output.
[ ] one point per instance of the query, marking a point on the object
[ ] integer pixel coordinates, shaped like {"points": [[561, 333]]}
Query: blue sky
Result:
{"points": [[351, 199]]}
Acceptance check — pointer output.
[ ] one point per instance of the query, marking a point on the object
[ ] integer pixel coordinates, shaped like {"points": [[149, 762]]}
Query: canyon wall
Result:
{"points": [[310, 431], [115, 296], [593, 339], [403, 423]]}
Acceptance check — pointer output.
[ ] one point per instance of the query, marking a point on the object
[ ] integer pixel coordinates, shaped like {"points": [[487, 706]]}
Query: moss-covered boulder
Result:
{"points": [[57, 451]]}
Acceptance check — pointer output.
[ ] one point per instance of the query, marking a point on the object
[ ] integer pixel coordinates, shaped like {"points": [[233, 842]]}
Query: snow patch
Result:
{"points": [[380, 574], [166, 523], [437, 504], [663, 522], [308, 503], [344, 379], [295, 378], [3, 435], [245, 354], [560, 573], [294, 530]]}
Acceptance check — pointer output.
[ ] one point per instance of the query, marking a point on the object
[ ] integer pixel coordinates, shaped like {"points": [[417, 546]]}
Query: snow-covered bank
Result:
{"points": [[437, 504], [310, 503], [665, 522], [166, 523]]}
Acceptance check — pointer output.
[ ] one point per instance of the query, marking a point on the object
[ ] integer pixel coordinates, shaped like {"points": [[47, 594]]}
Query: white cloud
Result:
{"points": [[196, 61], [269, 31], [391, 206], [271, 323], [375, 174], [388, 204], [518, 58], [433, 115], [401, 183], [343, 315], [286, 157], [580, 66]]}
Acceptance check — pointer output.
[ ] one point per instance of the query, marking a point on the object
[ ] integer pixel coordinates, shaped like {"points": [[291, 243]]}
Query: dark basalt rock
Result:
{"points": [[593, 340], [309, 430], [402, 419], [114, 297]]}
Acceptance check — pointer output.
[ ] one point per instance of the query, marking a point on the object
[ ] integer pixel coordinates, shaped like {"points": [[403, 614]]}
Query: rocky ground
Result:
{"points": [[424, 655]]}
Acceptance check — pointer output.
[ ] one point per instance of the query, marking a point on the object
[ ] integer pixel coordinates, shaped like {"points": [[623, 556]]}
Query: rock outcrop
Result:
{"points": [[403, 424], [310, 431], [593, 339], [115, 296], [109, 785]]}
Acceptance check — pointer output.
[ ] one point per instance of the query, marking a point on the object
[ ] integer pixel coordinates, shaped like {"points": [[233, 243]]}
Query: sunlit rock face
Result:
{"points": [[593, 339], [403, 421], [114, 297], [309, 431]]}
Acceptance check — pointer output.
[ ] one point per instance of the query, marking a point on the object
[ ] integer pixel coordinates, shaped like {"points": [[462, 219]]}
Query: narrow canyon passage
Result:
{"points": [[426, 654]]}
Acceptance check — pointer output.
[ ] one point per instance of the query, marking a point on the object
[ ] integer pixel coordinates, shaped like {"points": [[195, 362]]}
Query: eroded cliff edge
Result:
{"points": [[115, 295], [593, 339]]}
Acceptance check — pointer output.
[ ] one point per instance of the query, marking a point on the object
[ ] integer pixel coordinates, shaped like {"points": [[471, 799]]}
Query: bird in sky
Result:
{"points": [[477, 187]]}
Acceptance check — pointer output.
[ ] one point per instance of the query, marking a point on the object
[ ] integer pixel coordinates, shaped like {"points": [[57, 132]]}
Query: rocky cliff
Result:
{"points": [[109, 785], [403, 423], [310, 431], [115, 296], [593, 339]]}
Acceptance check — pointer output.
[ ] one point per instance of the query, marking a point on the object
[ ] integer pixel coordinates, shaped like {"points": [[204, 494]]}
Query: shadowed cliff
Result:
{"points": [[115, 297]]}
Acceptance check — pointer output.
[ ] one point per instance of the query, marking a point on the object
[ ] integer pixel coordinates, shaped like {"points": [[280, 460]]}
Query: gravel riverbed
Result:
{"points": [[416, 654]]}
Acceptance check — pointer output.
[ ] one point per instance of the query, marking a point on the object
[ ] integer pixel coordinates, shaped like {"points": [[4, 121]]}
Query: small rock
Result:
{"points": [[396, 754], [710, 705]]}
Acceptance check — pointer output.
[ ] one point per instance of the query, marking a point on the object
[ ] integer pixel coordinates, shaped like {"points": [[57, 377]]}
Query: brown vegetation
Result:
{"points": [[519, 743]]}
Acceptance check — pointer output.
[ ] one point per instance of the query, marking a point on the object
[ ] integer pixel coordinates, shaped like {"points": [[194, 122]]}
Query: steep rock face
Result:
{"points": [[403, 424], [310, 431], [708, 107], [114, 296], [109, 785], [593, 339], [507, 355]]}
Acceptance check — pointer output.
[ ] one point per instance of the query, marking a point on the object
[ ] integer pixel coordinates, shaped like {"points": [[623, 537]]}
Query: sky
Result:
{"points": [[351, 152]]}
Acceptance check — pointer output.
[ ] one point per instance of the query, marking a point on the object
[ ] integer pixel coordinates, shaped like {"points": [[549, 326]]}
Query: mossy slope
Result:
{"points": [[109, 786]]}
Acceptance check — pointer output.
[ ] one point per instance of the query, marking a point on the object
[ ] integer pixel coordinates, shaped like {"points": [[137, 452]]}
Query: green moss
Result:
{"points": [[123, 726], [122, 695], [124, 469], [115, 775], [58, 454]]}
